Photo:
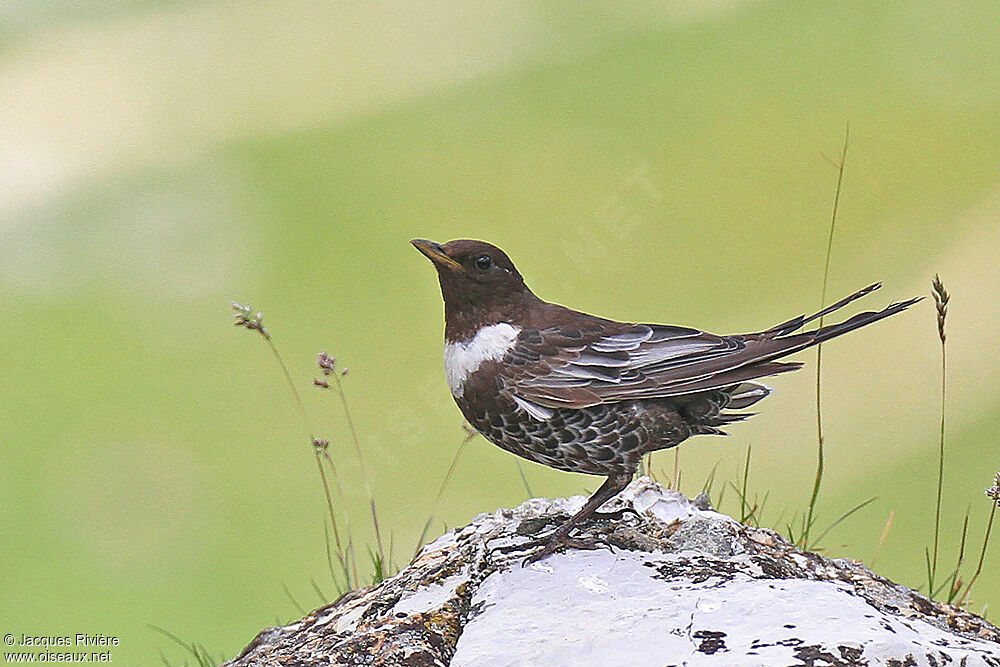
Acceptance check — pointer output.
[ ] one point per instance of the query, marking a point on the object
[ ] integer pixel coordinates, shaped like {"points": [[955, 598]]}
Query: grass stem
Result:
{"points": [[941, 298], [994, 494], [469, 435], [820, 454], [246, 318]]}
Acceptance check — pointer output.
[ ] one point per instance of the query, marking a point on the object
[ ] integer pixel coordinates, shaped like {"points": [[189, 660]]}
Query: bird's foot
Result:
{"points": [[540, 547], [556, 543], [617, 515], [532, 543]]}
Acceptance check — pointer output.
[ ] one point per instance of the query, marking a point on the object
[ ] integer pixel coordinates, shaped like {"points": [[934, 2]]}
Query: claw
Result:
{"points": [[519, 546], [560, 537], [616, 515], [540, 547], [556, 543]]}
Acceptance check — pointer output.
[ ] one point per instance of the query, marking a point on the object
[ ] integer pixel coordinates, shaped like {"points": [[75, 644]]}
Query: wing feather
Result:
{"points": [[609, 362], [561, 367]]}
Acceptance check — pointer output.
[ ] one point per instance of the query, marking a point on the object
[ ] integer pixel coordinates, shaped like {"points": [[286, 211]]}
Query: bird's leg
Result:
{"points": [[611, 487]]}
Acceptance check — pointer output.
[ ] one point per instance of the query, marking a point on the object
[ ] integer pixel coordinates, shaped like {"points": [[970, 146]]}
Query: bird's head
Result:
{"points": [[478, 280]]}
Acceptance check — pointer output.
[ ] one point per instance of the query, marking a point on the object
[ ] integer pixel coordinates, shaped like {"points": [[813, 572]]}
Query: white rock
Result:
{"points": [[684, 586]]}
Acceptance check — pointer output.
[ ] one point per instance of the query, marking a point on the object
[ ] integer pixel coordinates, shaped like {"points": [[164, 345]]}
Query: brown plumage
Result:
{"points": [[587, 394]]}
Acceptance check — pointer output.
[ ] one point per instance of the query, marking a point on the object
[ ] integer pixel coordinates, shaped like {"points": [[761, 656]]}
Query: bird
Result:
{"points": [[590, 395]]}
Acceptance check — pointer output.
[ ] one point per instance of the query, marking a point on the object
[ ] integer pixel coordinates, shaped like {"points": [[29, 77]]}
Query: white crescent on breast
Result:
{"points": [[462, 358]]}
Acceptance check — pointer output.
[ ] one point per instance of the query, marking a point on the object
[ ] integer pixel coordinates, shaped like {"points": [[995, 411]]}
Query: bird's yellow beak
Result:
{"points": [[436, 253]]}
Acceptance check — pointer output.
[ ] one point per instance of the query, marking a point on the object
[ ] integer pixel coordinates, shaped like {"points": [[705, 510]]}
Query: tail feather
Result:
{"points": [[762, 350], [745, 394], [797, 323], [782, 346], [859, 320], [733, 376]]}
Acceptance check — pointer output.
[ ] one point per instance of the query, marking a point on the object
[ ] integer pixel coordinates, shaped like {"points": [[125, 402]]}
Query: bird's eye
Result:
{"points": [[483, 262]]}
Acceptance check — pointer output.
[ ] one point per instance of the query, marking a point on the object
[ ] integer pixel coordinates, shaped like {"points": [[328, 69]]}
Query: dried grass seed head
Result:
{"points": [[327, 363], [246, 318], [994, 491], [941, 299]]}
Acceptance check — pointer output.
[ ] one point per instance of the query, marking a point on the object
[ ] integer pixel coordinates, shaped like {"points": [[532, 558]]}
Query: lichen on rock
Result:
{"points": [[679, 584]]}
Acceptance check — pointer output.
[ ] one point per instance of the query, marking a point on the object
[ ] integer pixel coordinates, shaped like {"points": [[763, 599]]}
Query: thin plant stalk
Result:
{"points": [[319, 591], [329, 560], [748, 511], [333, 519], [469, 435], [710, 480], [744, 504], [378, 532], [843, 517], [246, 318], [954, 582], [291, 598], [524, 478], [982, 555], [883, 537], [677, 469], [365, 476], [199, 652], [820, 454], [941, 298], [994, 494]]}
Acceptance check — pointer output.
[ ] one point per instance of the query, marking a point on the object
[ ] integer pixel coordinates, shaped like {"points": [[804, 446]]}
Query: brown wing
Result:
{"points": [[607, 362], [563, 367]]}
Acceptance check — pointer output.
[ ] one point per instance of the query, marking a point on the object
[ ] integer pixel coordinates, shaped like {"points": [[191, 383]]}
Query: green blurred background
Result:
{"points": [[653, 161]]}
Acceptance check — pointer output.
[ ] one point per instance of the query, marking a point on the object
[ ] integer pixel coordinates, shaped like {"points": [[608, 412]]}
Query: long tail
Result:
{"points": [[759, 357], [797, 323], [782, 341], [810, 338]]}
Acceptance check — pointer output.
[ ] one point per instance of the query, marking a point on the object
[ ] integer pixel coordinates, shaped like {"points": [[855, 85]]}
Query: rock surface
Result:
{"points": [[684, 585]]}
